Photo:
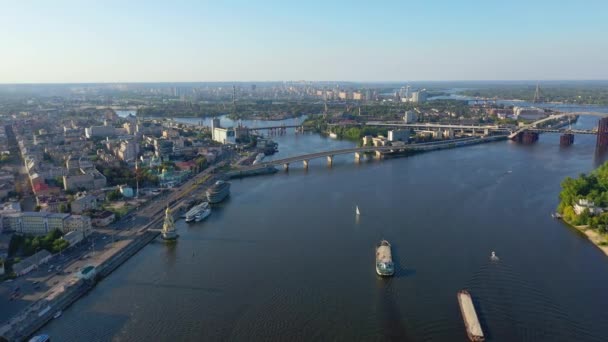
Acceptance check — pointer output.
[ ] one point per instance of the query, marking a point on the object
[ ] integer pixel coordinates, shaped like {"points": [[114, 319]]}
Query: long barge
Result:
{"points": [[471, 322]]}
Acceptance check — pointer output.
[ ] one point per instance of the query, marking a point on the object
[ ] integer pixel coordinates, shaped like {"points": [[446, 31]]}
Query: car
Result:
{"points": [[36, 282], [8, 281]]}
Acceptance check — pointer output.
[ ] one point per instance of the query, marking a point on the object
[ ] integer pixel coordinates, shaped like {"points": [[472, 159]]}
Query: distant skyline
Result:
{"points": [[360, 41]]}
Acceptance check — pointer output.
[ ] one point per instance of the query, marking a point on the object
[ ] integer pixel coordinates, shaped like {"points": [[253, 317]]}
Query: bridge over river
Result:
{"points": [[359, 151], [533, 126]]}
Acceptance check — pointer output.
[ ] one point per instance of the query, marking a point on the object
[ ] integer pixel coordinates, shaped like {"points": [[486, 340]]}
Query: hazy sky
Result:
{"points": [[147, 41]]}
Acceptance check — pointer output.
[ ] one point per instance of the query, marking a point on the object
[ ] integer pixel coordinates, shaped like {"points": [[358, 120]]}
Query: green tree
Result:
{"points": [[114, 195]]}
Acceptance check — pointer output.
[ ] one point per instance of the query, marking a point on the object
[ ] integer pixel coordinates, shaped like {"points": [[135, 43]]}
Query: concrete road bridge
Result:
{"points": [[378, 150]]}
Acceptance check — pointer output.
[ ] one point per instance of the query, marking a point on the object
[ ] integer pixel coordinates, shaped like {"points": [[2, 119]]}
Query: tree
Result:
{"points": [[200, 162], [114, 195]]}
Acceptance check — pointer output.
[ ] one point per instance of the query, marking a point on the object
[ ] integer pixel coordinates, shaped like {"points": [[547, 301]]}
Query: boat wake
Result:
{"points": [[511, 309]]}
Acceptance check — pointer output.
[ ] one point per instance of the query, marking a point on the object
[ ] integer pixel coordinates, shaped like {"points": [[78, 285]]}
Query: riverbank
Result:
{"points": [[62, 296], [67, 291], [598, 239]]}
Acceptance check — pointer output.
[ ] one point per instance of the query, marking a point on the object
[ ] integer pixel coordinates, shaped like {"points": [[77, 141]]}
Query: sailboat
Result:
{"points": [[357, 211]]}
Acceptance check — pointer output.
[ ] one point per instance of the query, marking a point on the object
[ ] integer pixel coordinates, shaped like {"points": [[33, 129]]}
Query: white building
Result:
{"points": [[32, 262], [583, 204], [80, 224], [410, 117], [100, 131], [528, 113], [83, 202], [222, 135], [73, 237], [419, 96], [128, 150], [399, 135], [40, 223]]}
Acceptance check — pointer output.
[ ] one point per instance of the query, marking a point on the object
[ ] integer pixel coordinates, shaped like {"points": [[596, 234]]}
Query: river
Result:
{"points": [[286, 259]]}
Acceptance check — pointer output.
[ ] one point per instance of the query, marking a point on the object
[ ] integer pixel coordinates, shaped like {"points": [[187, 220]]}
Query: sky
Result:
{"points": [[370, 41]]}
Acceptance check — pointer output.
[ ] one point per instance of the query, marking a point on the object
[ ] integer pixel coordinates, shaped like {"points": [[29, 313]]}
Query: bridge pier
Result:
{"points": [[330, 160], [378, 154], [305, 162], [450, 133], [439, 133], [486, 132], [286, 166], [358, 156]]}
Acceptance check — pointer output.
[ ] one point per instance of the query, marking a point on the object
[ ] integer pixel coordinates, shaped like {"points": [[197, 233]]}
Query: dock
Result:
{"points": [[471, 322]]}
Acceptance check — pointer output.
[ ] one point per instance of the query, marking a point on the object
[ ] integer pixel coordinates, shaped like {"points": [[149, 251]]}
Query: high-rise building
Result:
{"points": [[128, 150], [410, 117], [419, 96]]}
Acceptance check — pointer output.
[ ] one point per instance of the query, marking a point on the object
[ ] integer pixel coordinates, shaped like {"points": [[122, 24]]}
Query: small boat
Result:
{"points": [[357, 211], [384, 259], [57, 314], [493, 257]]}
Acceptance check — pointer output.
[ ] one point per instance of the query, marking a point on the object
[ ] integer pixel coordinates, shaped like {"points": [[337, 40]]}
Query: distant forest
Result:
{"points": [[575, 93]]}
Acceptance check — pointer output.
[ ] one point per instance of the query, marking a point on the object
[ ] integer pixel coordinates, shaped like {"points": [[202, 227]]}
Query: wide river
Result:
{"points": [[285, 258]]}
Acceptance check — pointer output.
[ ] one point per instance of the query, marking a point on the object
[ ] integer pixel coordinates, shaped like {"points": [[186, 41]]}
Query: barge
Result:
{"points": [[471, 322]]}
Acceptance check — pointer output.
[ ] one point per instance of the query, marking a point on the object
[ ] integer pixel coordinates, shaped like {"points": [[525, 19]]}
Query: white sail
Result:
{"points": [[357, 211]]}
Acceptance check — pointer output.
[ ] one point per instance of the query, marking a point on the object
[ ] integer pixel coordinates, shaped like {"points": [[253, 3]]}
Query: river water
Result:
{"points": [[285, 258]]}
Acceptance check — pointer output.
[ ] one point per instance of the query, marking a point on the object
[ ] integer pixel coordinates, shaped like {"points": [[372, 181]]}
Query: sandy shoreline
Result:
{"points": [[593, 236]]}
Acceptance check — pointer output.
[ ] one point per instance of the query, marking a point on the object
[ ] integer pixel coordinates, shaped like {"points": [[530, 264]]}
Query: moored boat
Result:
{"points": [[196, 210], [202, 215], [218, 192], [384, 259]]}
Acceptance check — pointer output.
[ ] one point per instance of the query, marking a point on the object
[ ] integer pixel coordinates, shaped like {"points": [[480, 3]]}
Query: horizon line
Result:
{"points": [[296, 81]]}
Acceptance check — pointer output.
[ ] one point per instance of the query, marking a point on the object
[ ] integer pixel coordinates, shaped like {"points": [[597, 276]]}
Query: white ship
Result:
{"points": [[196, 210], [218, 192], [202, 215]]}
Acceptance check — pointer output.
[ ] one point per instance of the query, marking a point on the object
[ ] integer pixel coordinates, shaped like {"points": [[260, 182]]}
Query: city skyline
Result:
{"points": [[70, 42]]}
